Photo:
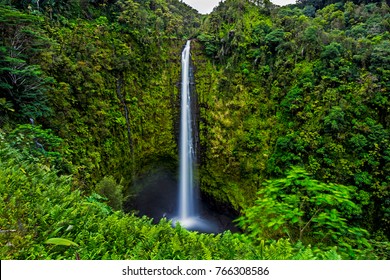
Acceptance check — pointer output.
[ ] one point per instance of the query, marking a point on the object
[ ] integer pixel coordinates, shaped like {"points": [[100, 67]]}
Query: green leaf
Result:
{"points": [[61, 241]]}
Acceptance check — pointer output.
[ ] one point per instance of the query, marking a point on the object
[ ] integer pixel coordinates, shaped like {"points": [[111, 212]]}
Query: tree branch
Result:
{"points": [[305, 226]]}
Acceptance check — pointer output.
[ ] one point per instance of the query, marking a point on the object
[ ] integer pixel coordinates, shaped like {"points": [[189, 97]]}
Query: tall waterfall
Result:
{"points": [[187, 199], [188, 214], [160, 189]]}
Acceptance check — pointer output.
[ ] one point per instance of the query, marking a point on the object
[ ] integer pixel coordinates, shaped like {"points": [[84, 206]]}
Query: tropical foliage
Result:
{"points": [[284, 88], [43, 217], [293, 106], [307, 211]]}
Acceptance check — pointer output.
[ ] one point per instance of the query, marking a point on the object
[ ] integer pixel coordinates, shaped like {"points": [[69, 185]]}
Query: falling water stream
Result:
{"points": [[187, 200], [156, 198], [188, 214]]}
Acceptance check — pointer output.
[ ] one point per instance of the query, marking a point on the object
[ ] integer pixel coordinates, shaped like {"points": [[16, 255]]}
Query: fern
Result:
{"points": [[279, 250]]}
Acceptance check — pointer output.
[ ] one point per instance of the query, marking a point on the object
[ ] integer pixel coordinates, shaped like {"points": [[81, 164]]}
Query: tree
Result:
{"points": [[112, 191], [22, 84], [380, 61], [306, 210]]}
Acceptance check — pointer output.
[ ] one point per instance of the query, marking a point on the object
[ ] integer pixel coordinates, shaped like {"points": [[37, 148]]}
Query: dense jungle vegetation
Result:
{"points": [[294, 119]]}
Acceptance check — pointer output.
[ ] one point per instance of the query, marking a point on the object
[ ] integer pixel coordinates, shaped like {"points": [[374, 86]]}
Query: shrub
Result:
{"points": [[112, 191]]}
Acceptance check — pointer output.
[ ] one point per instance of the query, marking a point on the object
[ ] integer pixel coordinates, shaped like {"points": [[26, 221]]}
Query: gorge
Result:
{"points": [[291, 127]]}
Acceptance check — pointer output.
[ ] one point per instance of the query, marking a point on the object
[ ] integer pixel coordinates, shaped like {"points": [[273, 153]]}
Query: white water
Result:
{"points": [[186, 145], [188, 211]]}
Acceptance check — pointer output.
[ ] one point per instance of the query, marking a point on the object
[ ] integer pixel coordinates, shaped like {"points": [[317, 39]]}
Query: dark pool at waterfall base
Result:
{"points": [[158, 199]]}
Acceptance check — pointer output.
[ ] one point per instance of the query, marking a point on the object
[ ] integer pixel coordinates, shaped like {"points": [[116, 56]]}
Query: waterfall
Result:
{"points": [[188, 211], [161, 190], [187, 207]]}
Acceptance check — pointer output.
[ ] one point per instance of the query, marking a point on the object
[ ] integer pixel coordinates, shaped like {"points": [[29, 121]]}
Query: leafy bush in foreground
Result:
{"points": [[308, 211]]}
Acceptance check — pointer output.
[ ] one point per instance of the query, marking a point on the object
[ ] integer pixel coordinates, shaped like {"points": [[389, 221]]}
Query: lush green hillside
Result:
{"points": [[286, 87], [294, 127], [106, 85]]}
